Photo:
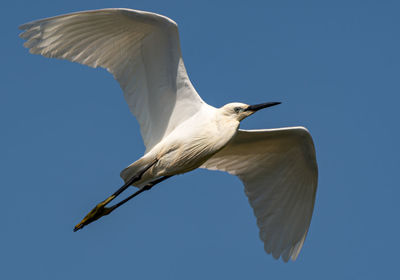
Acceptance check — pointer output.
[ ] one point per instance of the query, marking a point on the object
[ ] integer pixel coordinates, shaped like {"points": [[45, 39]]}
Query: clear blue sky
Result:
{"points": [[66, 133]]}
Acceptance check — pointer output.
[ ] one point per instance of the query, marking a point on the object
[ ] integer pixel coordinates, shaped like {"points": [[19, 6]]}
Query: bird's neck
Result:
{"points": [[226, 128]]}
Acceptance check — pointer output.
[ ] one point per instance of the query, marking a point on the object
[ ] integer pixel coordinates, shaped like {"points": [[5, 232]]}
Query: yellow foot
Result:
{"points": [[97, 212]]}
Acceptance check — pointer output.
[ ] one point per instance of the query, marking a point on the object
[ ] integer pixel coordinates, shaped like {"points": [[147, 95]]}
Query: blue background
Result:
{"points": [[66, 133]]}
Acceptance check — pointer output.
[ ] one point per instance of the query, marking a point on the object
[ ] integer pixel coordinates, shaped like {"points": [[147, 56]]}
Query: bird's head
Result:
{"points": [[240, 111]]}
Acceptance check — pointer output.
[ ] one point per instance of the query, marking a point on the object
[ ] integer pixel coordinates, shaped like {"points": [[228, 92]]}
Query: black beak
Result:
{"points": [[257, 107]]}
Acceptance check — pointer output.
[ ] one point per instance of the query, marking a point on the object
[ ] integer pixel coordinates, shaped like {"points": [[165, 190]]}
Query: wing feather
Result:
{"points": [[279, 170], [140, 49]]}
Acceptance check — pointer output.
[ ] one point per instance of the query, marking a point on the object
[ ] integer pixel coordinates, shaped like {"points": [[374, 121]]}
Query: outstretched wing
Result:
{"points": [[279, 170], [140, 49]]}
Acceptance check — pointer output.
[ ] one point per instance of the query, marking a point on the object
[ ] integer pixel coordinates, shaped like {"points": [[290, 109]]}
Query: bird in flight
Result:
{"points": [[180, 131]]}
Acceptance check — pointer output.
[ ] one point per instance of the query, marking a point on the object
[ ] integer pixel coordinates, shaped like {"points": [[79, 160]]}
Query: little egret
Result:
{"points": [[180, 131]]}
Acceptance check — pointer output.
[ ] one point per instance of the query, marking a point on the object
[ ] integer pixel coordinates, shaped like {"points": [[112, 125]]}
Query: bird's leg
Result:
{"points": [[100, 210], [145, 188]]}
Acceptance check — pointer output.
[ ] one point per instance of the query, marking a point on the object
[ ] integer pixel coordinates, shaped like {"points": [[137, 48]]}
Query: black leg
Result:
{"points": [[145, 188], [100, 210], [134, 179]]}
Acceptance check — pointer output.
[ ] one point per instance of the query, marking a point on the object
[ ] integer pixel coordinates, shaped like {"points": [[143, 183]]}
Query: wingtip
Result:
{"points": [[22, 27]]}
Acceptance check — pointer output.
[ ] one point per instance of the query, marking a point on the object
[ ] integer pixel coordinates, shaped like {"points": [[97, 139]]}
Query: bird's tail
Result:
{"points": [[133, 169]]}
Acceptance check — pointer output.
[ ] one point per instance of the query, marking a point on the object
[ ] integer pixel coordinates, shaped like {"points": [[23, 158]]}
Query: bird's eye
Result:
{"points": [[237, 109]]}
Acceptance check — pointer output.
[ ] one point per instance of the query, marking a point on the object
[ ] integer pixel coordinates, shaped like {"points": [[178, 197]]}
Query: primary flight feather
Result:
{"points": [[180, 131]]}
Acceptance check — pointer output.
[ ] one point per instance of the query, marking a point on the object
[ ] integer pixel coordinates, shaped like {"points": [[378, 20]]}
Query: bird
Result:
{"points": [[181, 132]]}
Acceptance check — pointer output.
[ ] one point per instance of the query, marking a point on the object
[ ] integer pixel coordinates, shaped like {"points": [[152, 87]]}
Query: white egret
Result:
{"points": [[180, 131]]}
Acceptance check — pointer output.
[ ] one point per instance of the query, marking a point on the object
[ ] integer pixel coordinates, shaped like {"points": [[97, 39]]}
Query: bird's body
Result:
{"points": [[188, 146], [180, 131]]}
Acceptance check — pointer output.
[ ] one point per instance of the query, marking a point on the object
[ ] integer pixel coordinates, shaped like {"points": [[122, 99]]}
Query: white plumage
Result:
{"points": [[180, 131]]}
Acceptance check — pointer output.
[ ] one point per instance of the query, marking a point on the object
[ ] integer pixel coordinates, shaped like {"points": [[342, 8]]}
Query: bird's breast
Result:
{"points": [[192, 145]]}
